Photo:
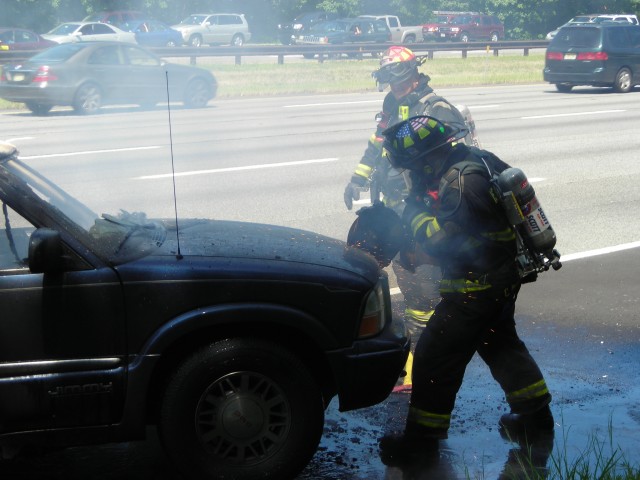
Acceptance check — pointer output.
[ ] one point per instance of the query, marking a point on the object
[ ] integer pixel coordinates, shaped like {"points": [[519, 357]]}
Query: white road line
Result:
{"points": [[90, 152], [11, 140], [572, 114], [237, 169], [576, 256], [330, 104]]}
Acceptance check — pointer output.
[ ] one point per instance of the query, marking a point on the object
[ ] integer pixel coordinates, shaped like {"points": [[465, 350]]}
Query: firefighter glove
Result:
{"points": [[351, 193]]}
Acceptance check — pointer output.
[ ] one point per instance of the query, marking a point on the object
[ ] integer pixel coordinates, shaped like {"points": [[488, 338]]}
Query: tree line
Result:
{"points": [[523, 19]]}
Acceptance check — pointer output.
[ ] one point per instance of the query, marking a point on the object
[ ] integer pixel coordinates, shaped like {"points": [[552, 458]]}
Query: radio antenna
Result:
{"points": [[173, 169]]}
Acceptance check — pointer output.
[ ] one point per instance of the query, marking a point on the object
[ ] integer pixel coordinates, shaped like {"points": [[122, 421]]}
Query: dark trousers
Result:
{"points": [[463, 324]]}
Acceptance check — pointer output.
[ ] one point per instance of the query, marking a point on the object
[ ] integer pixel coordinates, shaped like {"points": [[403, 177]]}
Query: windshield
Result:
{"points": [[194, 20], [58, 54], [65, 29], [116, 237], [329, 27]]}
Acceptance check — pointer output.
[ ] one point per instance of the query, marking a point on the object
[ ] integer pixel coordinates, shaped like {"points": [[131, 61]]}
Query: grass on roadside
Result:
{"points": [[601, 459], [349, 76]]}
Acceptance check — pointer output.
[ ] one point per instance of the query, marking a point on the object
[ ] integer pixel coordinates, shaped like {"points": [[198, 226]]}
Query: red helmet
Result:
{"points": [[398, 64]]}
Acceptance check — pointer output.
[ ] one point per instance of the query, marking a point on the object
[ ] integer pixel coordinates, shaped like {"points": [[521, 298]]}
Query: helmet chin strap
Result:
{"points": [[402, 89]]}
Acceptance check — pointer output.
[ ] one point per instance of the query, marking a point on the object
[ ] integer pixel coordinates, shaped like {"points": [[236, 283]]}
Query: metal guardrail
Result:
{"points": [[322, 52]]}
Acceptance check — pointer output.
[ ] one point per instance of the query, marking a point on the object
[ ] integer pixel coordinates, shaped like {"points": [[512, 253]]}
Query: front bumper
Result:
{"points": [[367, 372]]}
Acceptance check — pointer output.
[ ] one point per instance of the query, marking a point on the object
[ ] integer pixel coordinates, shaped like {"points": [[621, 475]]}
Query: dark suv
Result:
{"points": [[600, 55], [472, 27], [231, 337], [288, 32]]}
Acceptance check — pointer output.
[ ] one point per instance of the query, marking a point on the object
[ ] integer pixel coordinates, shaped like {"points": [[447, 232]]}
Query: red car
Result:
{"points": [[21, 39]]}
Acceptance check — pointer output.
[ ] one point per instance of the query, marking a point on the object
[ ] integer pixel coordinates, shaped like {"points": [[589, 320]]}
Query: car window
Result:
{"points": [[577, 37], [24, 36], [108, 55], [101, 29], [86, 30], [230, 20], [6, 37], [380, 26], [14, 241], [138, 56], [619, 37], [634, 37], [393, 22]]}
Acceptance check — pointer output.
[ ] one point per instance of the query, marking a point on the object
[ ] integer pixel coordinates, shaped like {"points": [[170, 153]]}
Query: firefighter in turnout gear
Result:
{"points": [[410, 95], [464, 229]]}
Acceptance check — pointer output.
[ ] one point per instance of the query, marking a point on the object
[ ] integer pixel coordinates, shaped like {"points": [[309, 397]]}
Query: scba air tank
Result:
{"points": [[536, 226]]}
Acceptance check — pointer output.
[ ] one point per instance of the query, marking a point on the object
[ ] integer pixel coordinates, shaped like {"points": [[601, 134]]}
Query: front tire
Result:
{"points": [[494, 37], [242, 409], [563, 87], [88, 99], [464, 38], [195, 41], [237, 40], [623, 82], [197, 94]]}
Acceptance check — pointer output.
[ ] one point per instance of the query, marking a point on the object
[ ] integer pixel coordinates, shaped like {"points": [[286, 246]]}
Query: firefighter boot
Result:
{"points": [[536, 423]]}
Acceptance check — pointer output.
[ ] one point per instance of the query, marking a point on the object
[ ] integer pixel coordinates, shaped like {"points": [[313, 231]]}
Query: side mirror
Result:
{"points": [[45, 251]]}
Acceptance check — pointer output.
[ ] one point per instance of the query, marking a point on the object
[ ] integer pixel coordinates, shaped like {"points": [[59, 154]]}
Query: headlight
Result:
{"points": [[374, 317]]}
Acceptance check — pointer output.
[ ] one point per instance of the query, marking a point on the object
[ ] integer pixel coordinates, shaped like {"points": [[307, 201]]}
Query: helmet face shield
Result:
{"points": [[395, 72], [408, 144]]}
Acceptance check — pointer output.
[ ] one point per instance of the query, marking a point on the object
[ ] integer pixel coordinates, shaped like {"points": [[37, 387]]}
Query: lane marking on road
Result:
{"points": [[571, 114], [329, 104], [576, 256], [90, 152], [238, 169], [11, 140], [600, 251], [478, 107]]}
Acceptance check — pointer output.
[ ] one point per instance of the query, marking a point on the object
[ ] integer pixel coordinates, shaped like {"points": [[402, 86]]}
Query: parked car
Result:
{"points": [[345, 31], [214, 28], [431, 30], [596, 18], [399, 32], [21, 39], [288, 32], [87, 32], [473, 27], [622, 18], [231, 337], [87, 75], [574, 20], [153, 33], [115, 17], [600, 55]]}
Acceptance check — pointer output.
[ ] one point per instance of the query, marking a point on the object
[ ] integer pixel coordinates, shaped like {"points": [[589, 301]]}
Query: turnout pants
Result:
{"points": [[463, 324]]}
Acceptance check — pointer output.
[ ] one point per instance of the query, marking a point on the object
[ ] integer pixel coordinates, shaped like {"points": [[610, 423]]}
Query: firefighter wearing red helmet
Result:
{"points": [[410, 95]]}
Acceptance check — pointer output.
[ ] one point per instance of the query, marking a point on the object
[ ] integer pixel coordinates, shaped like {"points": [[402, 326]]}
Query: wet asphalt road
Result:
{"points": [[581, 324]]}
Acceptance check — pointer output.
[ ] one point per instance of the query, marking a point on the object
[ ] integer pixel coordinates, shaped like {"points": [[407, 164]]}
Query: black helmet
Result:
{"points": [[379, 231], [407, 143]]}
